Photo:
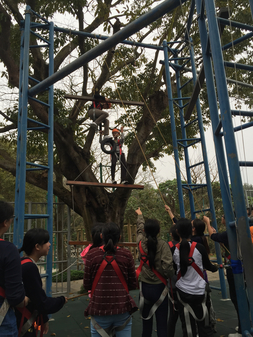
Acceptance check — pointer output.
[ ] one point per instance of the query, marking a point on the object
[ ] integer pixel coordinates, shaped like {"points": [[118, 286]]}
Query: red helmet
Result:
{"points": [[115, 130]]}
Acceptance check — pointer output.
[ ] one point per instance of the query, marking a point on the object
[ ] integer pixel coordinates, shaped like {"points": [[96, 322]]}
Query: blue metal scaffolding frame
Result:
{"points": [[238, 228], [22, 165]]}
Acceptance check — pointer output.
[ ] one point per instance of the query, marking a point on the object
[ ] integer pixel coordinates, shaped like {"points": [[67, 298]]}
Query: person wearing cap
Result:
{"points": [[118, 137], [12, 292], [98, 115]]}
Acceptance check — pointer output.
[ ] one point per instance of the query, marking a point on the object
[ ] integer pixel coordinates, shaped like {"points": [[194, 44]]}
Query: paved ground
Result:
{"points": [[70, 321]]}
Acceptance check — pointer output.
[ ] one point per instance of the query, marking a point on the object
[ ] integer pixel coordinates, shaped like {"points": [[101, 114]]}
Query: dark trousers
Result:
{"points": [[232, 293], [173, 315], [195, 302], [99, 116], [114, 158], [152, 293]]}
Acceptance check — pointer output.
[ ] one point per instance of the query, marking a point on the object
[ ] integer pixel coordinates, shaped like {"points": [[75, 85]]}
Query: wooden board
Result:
{"points": [[110, 185], [114, 101]]}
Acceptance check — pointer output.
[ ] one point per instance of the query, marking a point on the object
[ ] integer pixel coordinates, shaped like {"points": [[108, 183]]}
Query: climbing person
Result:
{"points": [[156, 267], [190, 259], [35, 245], [98, 115], [110, 274], [12, 292], [118, 138]]}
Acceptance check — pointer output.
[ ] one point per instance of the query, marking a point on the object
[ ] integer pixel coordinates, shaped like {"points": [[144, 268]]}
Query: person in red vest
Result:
{"points": [[12, 292], [110, 274], [119, 138], [36, 244], [98, 115]]}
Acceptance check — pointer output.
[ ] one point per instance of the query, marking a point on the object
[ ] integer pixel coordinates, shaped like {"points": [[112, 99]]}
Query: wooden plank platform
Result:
{"points": [[109, 100], [109, 185]]}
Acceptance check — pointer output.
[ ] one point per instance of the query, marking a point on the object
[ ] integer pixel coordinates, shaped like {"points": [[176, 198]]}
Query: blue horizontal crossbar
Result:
{"points": [[38, 101], [42, 167], [39, 37], [238, 66], [200, 163], [36, 216], [242, 113], [246, 163], [39, 123]]}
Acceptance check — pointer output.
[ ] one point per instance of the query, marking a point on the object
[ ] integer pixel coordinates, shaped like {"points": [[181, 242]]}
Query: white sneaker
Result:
{"points": [[124, 182], [237, 334], [114, 182]]}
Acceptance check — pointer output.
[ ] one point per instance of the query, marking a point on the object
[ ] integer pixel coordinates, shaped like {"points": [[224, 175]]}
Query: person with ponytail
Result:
{"points": [[156, 267], [12, 292], [35, 245], [191, 259], [110, 274]]}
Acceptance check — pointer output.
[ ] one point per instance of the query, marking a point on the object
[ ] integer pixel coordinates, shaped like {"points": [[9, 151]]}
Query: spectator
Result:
{"points": [[155, 269], [191, 258], [222, 238], [110, 305], [36, 244], [12, 292]]}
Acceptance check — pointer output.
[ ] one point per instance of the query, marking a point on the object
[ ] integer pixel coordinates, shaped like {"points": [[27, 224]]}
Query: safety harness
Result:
{"points": [[187, 308], [171, 244], [108, 259], [191, 261], [144, 260], [33, 319], [97, 105], [5, 306]]}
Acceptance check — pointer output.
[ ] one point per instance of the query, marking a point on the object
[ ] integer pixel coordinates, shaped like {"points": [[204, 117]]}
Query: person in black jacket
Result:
{"points": [[36, 244], [222, 238], [12, 291]]}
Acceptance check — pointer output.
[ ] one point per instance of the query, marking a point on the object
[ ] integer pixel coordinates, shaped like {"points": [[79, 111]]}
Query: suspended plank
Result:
{"points": [[114, 101], [109, 185]]}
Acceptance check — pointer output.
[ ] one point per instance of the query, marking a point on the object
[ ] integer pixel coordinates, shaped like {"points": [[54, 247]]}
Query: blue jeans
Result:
{"points": [[113, 320], [8, 328]]}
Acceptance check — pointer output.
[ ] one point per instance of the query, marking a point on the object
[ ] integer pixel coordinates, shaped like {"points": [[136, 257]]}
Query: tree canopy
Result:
{"points": [[124, 72]]}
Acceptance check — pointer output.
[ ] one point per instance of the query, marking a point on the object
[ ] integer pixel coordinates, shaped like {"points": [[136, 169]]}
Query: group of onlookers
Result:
{"points": [[171, 277]]}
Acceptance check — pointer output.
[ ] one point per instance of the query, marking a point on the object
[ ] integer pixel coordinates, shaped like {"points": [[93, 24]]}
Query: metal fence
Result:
{"points": [[65, 258]]}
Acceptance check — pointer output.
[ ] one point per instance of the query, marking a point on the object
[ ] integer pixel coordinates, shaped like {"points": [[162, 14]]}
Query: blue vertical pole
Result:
{"points": [[22, 136], [173, 130], [251, 7], [50, 160], [207, 173], [184, 136], [235, 177]]}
